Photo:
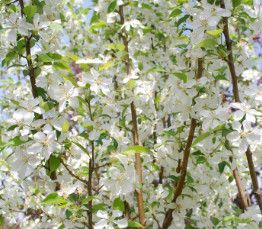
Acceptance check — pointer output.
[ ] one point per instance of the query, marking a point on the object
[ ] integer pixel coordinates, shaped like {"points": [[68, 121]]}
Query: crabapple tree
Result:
{"points": [[130, 114]]}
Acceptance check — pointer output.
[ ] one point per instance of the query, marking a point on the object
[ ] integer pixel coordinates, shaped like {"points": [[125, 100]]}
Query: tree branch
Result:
{"points": [[90, 174], [30, 65], [72, 174], [180, 185], [231, 66], [135, 136]]}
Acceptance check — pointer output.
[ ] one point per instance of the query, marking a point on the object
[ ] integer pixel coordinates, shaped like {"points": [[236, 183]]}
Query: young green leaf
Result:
{"points": [[207, 43], [222, 165], [175, 12], [30, 11], [181, 75], [65, 126], [134, 224], [54, 199], [54, 163], [136, 149], [215, 32], [118, 204], [112, 6]]}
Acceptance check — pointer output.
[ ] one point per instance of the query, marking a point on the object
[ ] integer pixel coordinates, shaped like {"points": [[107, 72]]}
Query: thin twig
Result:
{"points": [[72, 174], [158, 224], [90, 174]]}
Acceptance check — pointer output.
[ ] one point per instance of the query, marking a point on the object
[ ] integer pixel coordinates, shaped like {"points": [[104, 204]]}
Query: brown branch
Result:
{"points": [[240, 188], [89, 190], [90, 175], [156, 220], [30, 65], [32, 76], [72, 174], [253, 175], [135, 136], [231, 66], [101, 166], [186, 153], [179, 188]]}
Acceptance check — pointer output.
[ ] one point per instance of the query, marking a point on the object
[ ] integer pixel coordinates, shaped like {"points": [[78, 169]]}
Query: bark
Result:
{"points": [[186, 153], [135, 135], [251, 166]]}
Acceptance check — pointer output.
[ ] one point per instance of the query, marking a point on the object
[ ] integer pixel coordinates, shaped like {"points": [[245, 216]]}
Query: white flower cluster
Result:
{"points": [[129, 114]]}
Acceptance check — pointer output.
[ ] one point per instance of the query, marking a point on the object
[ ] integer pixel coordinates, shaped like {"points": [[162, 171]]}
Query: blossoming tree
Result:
{"points": [[130, 114]]}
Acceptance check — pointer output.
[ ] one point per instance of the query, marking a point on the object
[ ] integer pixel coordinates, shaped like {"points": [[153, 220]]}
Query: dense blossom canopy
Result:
{"points": [[130, 114]]}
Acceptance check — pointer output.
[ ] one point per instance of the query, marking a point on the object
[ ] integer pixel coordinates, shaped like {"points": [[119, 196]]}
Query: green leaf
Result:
{"points": [[44, 105], [41, 92], [37, 71], [72, 56], [118, 204], [201, 137], [182, 1], [98, 25], [220, 77], [73, 197], [30, 11], [207, 43], [215, 220], [2, 220], [189, 179], [112, 6], [68, 213], [201, 159], [81, 147], [65, 126], [95, 18], [134, 224], [146, 6], [222, 165], [21, 46], [215, 32], [182, 20], [248, 2], [16, 141], [55, 56], [98, 207], [12, 127], [155, 69], [45, 58], [48, 57], [117, 46], [181, 75], [11, 55], [61, 66], [131, 84], [54, 199], [175, 12], [25, 72], [54, 163], [236, 3], [106, 66], [136, 149]]}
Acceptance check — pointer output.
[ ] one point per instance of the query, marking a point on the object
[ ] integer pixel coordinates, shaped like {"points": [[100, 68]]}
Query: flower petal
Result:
{"points": [[121, 223]]}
